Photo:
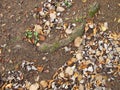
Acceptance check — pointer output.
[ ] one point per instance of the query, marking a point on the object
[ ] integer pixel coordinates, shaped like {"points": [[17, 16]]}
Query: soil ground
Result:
{"points": [[17, 15]]}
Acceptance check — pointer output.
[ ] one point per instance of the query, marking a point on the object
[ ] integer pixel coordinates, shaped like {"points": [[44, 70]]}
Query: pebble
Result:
{"points": [[60, 9]]}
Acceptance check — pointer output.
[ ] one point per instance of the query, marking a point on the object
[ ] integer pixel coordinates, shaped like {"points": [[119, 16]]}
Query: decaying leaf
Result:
{"points": [[34, 86], [40, 68], [71, 61], [38, 29], [84, 1], [103, 26], [114, 35], [44, 83], [77, 41]]}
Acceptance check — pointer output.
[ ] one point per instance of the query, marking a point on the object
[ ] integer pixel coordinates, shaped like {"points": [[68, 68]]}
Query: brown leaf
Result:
{"points": [[44, 83], [77, 41], [40, 68], [42, 38], [71, 61]]}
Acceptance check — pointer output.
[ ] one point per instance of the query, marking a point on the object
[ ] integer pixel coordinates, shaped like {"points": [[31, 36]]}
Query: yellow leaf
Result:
{"points": [[84, 1], [119, 20]]}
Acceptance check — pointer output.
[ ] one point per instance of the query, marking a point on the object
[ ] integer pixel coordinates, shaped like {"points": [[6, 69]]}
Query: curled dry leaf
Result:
{"points": [[114, 35], [8, 86], [38, 29]]}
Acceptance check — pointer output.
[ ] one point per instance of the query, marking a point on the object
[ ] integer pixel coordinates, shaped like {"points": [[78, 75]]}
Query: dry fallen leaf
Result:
{"points": [[34, 86], [40, 68], [94, 31], [69, 71], [119, 20], [104, 26], [77, 42], [44, 83], [71, 61], [42, 38], [114, 35], [8, 86], [60, 9], [0, 51], [38, 29], [84, 1]]}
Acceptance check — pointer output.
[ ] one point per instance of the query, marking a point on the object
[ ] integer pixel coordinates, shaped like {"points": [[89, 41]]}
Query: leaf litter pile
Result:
{"points": [[95, 62]]}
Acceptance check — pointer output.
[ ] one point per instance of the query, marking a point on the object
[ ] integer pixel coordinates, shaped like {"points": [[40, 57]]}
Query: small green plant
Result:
{"points": [[80, 19], [28, 34], [36, 37], [33, 36], [67, 3], [55, 46], [94, 9], [44, 48]]}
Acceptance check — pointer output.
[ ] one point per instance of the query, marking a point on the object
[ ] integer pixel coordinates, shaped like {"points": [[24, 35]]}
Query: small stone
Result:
{"points": [[77, 42], [60, 9], [34, 86], [44, 58], [44, 83], [69, 71], [38, 44]]}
